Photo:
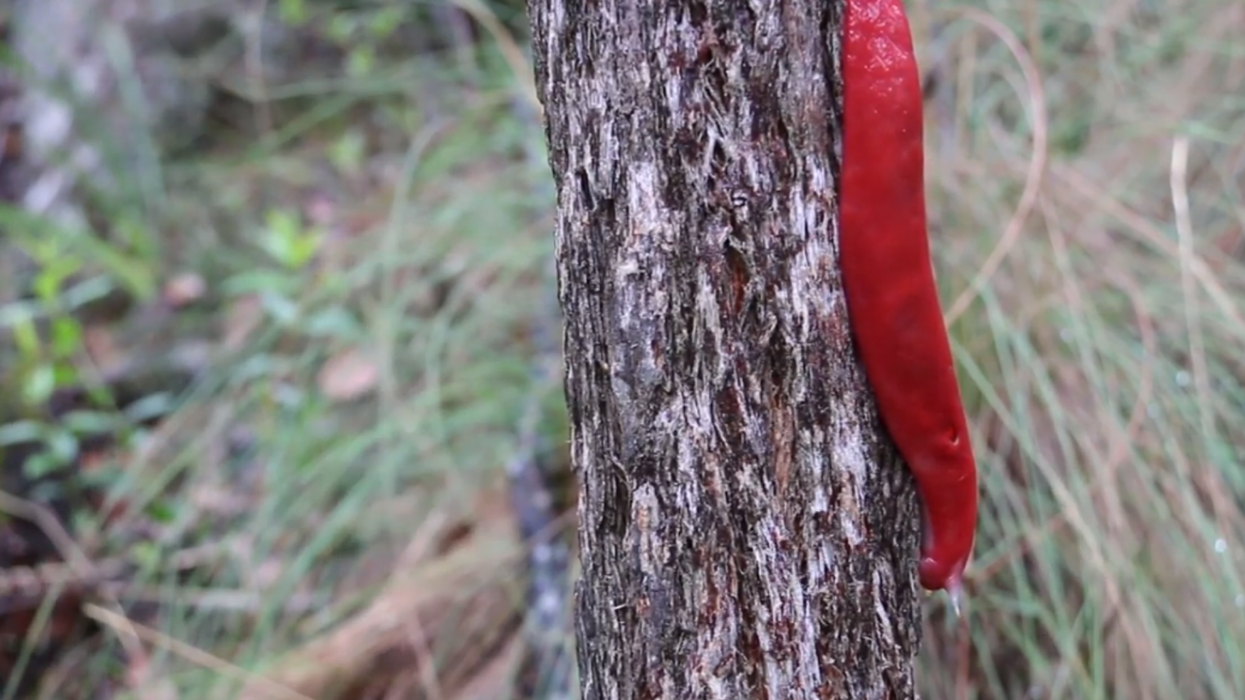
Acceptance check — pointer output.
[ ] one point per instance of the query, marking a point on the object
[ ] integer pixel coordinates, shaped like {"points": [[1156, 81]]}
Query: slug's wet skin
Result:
{"points": [[888, 280]]}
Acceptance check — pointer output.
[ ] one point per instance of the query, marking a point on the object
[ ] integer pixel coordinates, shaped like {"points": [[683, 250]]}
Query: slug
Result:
{"points": [[888, 281]]}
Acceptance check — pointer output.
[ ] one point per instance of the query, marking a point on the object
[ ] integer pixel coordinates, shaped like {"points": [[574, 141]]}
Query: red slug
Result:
{"points": [[888, 280]]}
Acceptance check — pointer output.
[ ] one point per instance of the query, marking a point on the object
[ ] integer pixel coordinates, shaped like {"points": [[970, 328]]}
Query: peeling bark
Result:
{"points": [[746, 529]]}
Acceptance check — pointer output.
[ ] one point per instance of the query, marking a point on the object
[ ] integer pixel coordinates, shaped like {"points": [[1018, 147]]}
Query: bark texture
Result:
{"points": [[746, 530]]}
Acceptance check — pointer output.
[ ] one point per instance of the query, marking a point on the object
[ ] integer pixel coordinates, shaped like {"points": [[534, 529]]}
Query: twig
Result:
{"points": [[195, 655], [81, 565]]}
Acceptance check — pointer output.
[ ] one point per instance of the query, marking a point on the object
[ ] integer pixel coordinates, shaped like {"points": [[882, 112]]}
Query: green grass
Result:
{"points": [[404, 214], [1101, 353], [426, 259]]}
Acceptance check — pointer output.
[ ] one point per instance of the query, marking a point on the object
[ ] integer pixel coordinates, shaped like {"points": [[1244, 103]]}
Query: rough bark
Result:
{"points": [[745, 529]]}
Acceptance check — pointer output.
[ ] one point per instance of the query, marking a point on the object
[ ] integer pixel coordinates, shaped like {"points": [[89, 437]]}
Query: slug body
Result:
{"points": [[888, 281]]}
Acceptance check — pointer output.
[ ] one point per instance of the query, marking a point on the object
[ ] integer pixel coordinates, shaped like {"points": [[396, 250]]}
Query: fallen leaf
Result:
{"points": [[348, 376], [102, 347], [242, 319], [184, 289]]}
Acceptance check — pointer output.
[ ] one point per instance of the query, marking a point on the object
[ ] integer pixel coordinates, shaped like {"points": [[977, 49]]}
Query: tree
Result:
{"points": [[746, 529]]}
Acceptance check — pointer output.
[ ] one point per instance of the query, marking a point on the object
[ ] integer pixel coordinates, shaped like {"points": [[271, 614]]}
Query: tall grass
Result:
{"points": [[1102, 346], [307, 545]]}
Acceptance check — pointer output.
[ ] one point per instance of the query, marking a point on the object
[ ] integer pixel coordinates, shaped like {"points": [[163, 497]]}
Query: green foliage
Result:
{"points": [[71, 271]]}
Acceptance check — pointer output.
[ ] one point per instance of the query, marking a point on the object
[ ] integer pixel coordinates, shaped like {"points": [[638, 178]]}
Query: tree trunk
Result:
{"points": [[746, 530]]}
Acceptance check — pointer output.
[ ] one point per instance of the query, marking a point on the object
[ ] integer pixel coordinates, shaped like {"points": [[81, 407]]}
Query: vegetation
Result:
{"points": [[348, 263]]}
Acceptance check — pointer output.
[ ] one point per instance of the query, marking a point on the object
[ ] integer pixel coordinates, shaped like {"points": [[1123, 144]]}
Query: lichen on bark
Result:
{"points": [[745, 529]]}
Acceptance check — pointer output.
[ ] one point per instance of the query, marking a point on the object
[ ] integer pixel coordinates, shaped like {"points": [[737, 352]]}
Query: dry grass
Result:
{"points": [[1086, 183], [1099, 333]]}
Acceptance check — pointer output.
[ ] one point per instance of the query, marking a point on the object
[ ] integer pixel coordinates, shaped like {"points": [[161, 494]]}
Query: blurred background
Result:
{"points": [[280, 397]]}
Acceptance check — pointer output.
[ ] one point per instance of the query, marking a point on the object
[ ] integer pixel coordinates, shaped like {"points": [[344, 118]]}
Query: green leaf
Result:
{"points": [[20, 431], [66, 336], [39, 384], [293, 12], [287, 242], [40, 465]]}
